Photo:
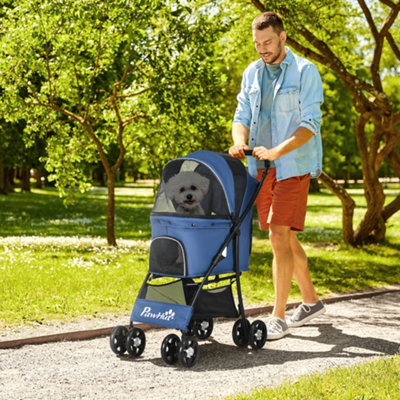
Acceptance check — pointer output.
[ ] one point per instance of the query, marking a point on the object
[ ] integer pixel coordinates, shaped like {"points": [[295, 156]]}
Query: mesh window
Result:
{"points": [[189, 188], [240, 177], [171, 292], [167, 257]]}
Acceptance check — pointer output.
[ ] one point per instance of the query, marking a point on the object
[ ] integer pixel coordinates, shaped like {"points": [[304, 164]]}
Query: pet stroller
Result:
{"points": [[201, 242]]}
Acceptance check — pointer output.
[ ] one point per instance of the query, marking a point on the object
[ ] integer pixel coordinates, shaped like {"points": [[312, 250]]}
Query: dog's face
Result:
{"points": [[187, 189]]}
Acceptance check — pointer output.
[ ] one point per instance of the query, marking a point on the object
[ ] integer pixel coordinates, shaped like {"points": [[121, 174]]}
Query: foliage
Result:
{"points": [[356, 42]]}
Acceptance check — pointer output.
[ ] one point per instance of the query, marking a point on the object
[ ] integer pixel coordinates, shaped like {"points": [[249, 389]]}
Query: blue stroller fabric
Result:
{"points": [[201, 198]]}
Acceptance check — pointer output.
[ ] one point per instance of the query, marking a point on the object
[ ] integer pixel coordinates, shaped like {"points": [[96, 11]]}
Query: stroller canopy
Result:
{"points": [[206, 184]]}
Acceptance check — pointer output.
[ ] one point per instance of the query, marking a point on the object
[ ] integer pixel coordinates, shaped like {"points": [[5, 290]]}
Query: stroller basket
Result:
{"points": [[167, 304]]}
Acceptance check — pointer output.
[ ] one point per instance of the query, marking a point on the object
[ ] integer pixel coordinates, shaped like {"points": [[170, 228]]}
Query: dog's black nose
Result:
{"points": [[189, 197]]}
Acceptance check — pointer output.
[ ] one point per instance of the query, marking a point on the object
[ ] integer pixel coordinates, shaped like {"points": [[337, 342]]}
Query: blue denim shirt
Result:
{"points": [[297, 102]]}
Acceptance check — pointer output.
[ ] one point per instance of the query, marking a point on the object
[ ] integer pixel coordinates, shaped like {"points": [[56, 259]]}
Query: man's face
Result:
{"points": [[270, 45]]}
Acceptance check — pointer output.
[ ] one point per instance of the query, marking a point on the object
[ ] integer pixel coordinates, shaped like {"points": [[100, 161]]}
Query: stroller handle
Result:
{"points": [[250, 153]]}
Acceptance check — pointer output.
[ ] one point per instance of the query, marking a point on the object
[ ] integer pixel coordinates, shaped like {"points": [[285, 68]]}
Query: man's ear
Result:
{"points": [[283, 36]]}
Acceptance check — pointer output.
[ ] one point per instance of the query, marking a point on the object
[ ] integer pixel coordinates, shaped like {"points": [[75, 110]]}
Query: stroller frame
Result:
{"points": [[197, 323]]}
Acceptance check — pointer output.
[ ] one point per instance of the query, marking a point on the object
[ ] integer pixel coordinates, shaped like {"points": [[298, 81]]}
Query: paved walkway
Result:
{"points": [[350, 332]]}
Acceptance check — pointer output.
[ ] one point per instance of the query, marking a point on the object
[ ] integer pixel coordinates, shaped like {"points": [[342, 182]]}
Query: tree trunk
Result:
{"points": [[111, 209], [2, 177], [348, 206], [372, 227], [25, 179], [38, 177]]}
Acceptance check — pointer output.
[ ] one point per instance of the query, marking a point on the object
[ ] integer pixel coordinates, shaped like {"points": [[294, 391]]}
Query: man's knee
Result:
{"points": [[280, 236]]}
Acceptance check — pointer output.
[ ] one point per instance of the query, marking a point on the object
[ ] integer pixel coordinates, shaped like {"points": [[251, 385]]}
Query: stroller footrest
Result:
{"points": [[168, 315]]}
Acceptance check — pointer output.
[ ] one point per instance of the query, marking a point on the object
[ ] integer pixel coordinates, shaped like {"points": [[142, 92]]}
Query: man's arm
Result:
{"points": [[240, 135], [300, 136]]}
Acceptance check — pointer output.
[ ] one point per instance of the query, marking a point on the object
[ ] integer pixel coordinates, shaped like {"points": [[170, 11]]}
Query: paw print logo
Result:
{"points": [[170, 314]]}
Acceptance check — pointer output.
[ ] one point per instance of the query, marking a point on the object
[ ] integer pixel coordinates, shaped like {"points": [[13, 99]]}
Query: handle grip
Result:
{"points": [[250, 153]]}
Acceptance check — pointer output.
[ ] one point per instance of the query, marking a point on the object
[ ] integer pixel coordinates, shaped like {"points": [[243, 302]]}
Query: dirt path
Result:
{"points": [[351, 332]]}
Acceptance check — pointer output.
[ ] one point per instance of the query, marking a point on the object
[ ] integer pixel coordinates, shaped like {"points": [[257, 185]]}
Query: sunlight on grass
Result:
{"points": [[370, 380], [55, 263], [66, 277]]}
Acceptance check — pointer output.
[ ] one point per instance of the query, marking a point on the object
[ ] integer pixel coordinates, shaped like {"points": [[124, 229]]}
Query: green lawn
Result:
{"points": [[374, 380], [55, 264]]}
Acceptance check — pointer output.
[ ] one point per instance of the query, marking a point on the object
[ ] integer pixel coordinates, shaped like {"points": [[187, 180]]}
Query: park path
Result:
{"points": [[350, 332]]}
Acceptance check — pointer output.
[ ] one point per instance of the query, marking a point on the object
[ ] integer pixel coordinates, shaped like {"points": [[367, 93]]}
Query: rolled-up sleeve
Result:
{"points": [[243, 109], [311, 98]]}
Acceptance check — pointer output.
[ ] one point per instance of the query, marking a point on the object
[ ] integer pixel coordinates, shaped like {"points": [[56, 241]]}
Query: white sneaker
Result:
{"points": [[276, 328]]}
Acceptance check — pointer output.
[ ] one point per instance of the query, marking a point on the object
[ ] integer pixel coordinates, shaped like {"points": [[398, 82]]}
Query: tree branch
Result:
{"points": [[79, 89], [258, 5], [134, 118], [393, 45], [378, 37], [369, 19], [355, 85], [388, 3]]}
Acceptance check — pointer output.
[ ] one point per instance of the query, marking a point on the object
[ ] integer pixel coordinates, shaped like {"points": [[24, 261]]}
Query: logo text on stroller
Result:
{"points": [[166, 316]]}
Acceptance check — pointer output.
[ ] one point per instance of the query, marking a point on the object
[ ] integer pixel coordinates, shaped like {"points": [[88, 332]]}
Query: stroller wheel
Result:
{"points": [[240, 333], [203, 328], [188, 352], [169, 349], [135, 342], [258, 334], [118, 339]]}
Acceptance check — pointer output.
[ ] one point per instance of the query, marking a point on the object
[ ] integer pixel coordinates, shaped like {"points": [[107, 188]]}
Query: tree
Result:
{"points": [[102, 73], [360, 46]]}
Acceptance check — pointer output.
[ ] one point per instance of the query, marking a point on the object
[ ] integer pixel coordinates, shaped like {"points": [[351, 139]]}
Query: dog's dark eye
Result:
{"points": [[193, 187], [182, 189]]}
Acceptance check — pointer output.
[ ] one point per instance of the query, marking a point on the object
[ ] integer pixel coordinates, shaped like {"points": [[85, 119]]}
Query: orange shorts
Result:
{"points": [[282, 202]]}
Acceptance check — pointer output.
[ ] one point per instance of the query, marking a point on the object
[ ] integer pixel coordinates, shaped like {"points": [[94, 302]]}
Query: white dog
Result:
{"points": [[187, 188]]}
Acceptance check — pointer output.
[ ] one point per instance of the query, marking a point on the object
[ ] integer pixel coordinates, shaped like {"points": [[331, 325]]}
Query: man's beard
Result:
{"points": [[279, 54]]}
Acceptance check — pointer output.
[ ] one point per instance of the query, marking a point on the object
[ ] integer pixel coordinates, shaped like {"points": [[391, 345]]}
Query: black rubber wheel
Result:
{"points": [[118, 339], [169, 349], [203, 328], [240, 333], [135, 342], [190, 330], [258, 334], [188, 352]]}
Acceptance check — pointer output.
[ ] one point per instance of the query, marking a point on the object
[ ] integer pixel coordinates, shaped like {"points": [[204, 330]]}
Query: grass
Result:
{"points": [[55, 264], [374, 380]]}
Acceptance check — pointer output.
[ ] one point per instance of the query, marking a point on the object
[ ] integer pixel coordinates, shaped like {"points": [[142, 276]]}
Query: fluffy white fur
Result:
{"points": [[187, 188]]}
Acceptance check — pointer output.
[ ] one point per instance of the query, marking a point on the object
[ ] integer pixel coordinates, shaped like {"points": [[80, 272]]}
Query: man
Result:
{"points": [[279, 117]]}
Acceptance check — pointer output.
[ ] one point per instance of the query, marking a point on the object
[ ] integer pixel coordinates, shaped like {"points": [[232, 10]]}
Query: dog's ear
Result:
{"points": [[204, 184], [170, 187]]}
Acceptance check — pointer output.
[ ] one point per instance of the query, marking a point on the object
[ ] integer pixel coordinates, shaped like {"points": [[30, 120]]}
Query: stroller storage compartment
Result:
{"points": [[216, 302], [212, 301]]}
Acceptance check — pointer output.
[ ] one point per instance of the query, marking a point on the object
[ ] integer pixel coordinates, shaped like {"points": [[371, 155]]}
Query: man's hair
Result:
{"points": [[267, 19]]}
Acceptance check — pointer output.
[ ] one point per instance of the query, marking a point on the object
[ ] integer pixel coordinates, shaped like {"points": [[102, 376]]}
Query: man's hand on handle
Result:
{"points": [[237, 151]]}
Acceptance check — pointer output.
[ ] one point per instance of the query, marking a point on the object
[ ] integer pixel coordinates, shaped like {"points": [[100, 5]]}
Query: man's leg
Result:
{"points": [[311, 306], [282, 267], [301, 272]]}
